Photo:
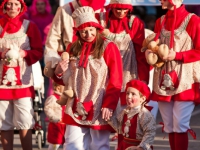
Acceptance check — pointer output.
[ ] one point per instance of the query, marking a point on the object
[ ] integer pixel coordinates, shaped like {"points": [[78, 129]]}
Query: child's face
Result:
{"points": [[133, 97]]}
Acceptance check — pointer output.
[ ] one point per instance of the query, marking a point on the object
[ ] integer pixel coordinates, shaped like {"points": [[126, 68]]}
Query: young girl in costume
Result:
{"points": [[56, 128], [176, 84], [96, 73], [135, 125], [20, 47]]}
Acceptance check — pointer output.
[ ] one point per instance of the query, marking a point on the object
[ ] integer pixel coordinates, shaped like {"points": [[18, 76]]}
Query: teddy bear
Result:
{"points": [[68, 92], [51, 60], [13, 55], [158, 50]]}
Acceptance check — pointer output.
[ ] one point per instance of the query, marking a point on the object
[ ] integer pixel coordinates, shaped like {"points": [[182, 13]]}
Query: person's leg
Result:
{"points": [[53, 146], [6, 124], [166, 111], [76, 138], [26, 139], [181, 140], [24, 121], [99, 140], [182, 115], [172, 140], [7, 139]]}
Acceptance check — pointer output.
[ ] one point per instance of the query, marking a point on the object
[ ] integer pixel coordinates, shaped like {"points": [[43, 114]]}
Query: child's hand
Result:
{"points": [[106, 113], [134, 148]]}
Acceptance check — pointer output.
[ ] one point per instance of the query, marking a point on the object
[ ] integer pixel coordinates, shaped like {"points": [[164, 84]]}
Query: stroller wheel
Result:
{"points": [[39, 140]]}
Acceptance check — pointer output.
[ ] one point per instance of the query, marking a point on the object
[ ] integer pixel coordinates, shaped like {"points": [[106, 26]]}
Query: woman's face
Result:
{"points": [[166, 4], [13, 8], [88, 34], [120, 13], [40, 6]]}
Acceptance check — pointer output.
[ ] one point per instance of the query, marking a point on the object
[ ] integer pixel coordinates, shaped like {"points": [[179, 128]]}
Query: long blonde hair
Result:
{"points": [[97, 52]]}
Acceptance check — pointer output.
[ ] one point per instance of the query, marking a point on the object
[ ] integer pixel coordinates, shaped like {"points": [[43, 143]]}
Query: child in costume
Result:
{"points": [[96, 73], [176, 84], [56, 128], [135, 125], [20, 47]]}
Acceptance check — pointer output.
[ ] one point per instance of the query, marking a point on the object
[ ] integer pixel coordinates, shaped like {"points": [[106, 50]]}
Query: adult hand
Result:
{"points": [[105, 32], [134, 148], [61, 67], [147, 52], [171, 55], [106, 113], [22, 53], [3, 54]]}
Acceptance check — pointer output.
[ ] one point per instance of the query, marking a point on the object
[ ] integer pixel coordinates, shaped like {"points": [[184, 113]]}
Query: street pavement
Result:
{"points": [[161, 139]]}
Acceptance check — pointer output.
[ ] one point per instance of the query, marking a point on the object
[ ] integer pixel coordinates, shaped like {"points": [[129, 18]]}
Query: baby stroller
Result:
{"points": [[40, 126]]}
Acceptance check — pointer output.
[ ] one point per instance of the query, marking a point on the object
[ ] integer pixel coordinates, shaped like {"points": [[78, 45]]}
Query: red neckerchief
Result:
{"points": [[176, 16], [118, 25], [10, 25], [85, 51]]}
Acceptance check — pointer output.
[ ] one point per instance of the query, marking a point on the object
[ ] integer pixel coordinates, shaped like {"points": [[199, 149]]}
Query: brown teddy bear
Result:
{"points": [[68, 92], [49, 72], [157, 50]]}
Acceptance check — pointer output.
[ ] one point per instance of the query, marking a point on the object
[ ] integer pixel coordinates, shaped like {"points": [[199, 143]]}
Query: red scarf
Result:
{"points": [[118, 25], [172, 21], [10, 25], [87, 48]]}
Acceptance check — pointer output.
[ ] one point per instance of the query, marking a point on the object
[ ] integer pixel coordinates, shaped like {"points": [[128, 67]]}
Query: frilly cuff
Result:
{"points": [[145, 146], [52, 57]]}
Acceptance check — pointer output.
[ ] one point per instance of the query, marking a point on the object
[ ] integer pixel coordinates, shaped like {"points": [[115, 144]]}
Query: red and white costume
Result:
{"points": [[56, 127], [96, 84], [177, 105], [136, 126], [128, 34], [26, 36]]}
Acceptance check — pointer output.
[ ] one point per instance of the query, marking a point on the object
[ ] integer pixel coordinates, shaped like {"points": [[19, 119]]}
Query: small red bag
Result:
{"points": [[169, 78], [11, 75]]}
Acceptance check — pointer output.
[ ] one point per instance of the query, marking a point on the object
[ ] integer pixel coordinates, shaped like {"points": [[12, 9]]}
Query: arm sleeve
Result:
{"points": [[138, 36], [148, 126], [52, 109], [61, 31], [114, 62], [192, 55], [36, 51]]}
